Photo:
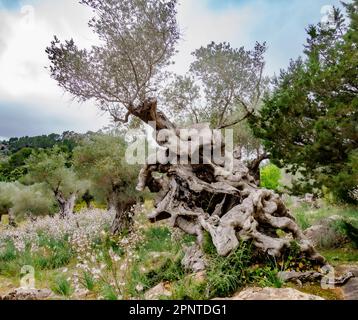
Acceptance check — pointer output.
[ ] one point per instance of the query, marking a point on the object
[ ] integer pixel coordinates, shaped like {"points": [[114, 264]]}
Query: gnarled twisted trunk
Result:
{"points": [[226, 203], [12, 219], [66, 205], [123, 219]]}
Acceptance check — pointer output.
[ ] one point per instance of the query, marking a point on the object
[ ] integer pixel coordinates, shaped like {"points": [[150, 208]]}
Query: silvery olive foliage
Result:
{"points": [[224, 85], [101, 160], [52, 168], [23, 201], [137, 41]]}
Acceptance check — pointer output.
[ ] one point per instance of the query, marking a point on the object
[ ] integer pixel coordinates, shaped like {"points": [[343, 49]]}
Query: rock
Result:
{"points": [[313, 276], [28, 294], [162, 289], [324, 234], [194, 259], [344, 268], [309, 198], [309, 276], [82, 294], [350, 288], [273, 294], [199, 277]]}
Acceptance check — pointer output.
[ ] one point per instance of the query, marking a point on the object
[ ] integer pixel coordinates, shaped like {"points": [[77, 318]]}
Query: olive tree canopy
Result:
{"points": [[52, 169], [137, 41]]}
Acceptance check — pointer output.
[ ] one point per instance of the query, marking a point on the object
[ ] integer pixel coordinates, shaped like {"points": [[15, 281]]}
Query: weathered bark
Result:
{"points": [[123, 219], [111, 203], [227, 204], [194, 259], [66, 205], [254, 167], [12, 219]]}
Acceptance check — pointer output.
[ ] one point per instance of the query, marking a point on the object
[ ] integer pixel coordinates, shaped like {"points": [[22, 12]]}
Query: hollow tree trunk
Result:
{"points": [[66, 205], [207, 197], [123, 219]]}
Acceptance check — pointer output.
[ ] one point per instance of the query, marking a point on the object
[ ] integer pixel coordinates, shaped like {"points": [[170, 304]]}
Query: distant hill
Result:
{"points": [[67, 138], [15, 151]]}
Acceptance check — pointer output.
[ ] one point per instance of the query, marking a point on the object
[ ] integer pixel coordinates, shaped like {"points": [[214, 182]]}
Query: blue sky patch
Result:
{"points": [[222, 4], [14, 4], [10, 4]]}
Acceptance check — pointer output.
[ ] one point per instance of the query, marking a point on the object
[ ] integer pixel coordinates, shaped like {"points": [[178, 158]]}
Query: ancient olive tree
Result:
{"points": [[138, 39], [52, 169], [101, 160], [19, 201]]}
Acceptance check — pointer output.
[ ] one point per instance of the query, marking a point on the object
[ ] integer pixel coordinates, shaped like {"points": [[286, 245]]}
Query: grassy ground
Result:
{"points": [[307, 215], [75, 266]]}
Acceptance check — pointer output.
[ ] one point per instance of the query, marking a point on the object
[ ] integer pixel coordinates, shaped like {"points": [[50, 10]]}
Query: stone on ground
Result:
{"points": [[350, 289], [273, 294], [162, 289], [28, 294]]}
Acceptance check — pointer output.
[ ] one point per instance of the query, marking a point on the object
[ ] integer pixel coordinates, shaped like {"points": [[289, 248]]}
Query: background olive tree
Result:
{"points": [[19, 201], [53, 169], [101, 160]]}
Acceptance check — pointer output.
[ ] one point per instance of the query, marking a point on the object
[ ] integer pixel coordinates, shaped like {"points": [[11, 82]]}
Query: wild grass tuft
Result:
{"points": [[226, 274], [109, 293], [88, 281], [62, 286]]}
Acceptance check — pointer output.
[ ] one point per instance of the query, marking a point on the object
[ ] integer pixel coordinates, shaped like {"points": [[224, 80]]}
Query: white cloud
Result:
{"points": [[24, 81], [25, 84], [200, 25]]}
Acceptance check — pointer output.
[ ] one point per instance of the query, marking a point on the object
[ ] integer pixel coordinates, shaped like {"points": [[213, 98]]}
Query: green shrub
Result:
{"points": [[51, 254], [105, 245], [348, 230], [186, 289], [270, 177], [171, 270], [265, 277], [208, 245], [164, 265], [55, 254], [9, 252]]}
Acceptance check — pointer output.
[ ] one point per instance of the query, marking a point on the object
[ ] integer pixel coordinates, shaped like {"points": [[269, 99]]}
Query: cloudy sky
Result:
{"points": [[32, 104]]}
